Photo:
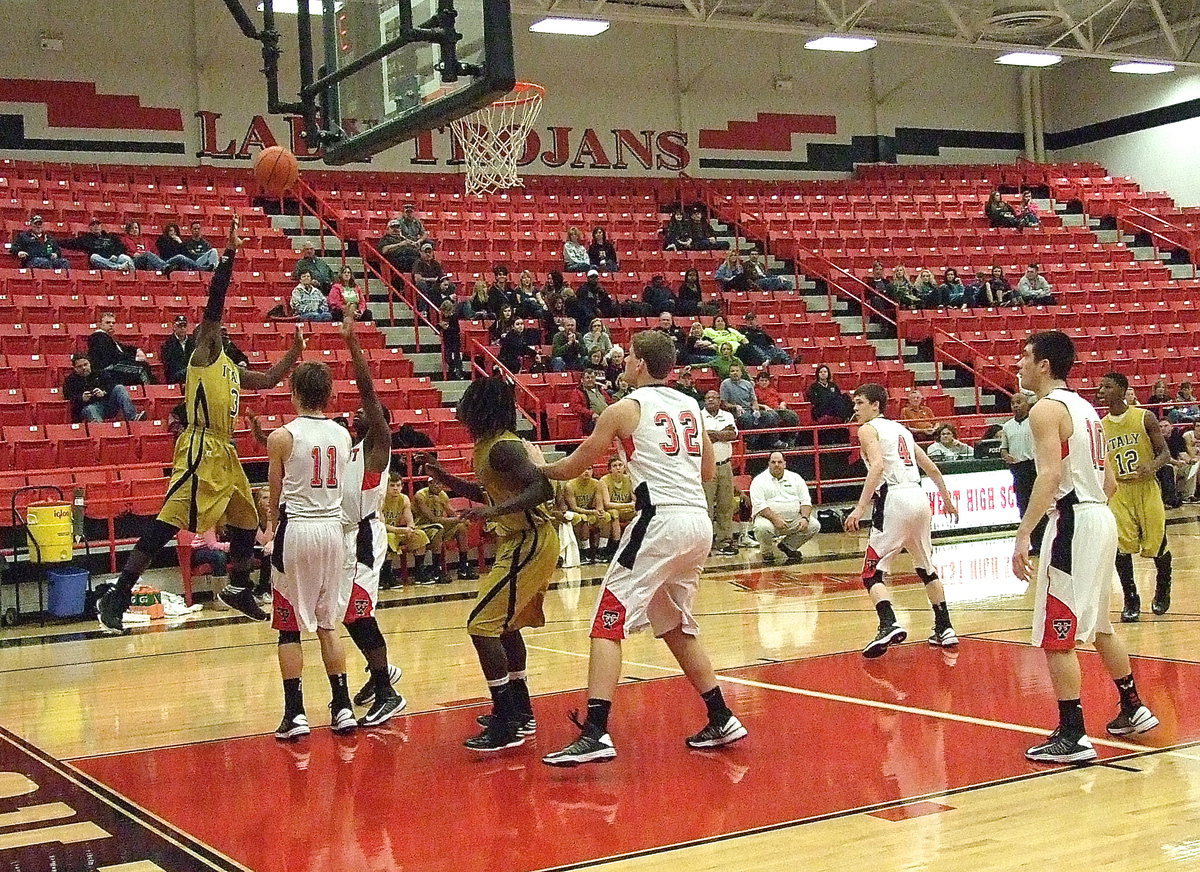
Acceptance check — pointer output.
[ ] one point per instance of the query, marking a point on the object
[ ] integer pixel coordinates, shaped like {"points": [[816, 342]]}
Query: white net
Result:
{"points": [[493, 138]]}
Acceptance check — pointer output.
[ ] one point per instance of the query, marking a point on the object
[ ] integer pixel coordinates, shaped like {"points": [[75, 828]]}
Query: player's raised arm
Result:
{"points": [[264, 381], [377, 444], [617, 420], [510, 459], [208, 332]]}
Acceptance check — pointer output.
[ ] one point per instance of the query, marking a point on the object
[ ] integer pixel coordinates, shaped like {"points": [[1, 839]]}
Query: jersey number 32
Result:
{"points": [[690, 442]]}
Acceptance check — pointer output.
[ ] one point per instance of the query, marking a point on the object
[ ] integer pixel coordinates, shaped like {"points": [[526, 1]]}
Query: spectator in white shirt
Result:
{"points": [[722, 499], [782, 512], [1016, 449], [1033, 289], [575, 255], [946, 446]]}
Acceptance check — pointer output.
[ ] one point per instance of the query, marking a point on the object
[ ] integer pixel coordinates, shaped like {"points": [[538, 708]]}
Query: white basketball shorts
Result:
{"points": [[1075, 576], [308, 558]]}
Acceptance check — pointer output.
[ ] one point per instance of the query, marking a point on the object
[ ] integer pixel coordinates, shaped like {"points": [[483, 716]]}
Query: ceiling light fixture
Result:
{"points": [[1142, 68], [571, 26], [841, 43], [1029, 59]]}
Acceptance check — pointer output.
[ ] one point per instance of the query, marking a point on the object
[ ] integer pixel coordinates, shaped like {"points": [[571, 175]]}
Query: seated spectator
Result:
{"points": [[685, 383], [731, 275], [143, 258], [1131, 398], [173, 250], [691, 297], [697, 349], [1027, 212], [103, 249], [902, 290], [427, 270], [946, 446], [177, 351], [759, 347], [345, 293], [475, 307], [500, 291], [601, 253], [412, 230], [209, 550], [977, 291], [658, 297], [768, 396], [503, 322], [614, 364], [1185, 463], [756, 271], [738, 398], [445, 290], [322, 274], [999, 290], [592, 300], [575, 256], [127, 364], [36, 249], [1187, 411], [514, 345], [597, 337], [724, 361], [917, 416], [829, 405], [952, 292], [199, 250], [405, 437], [622, 388], [677, 235], [96, 396], [1033, 289], [999, 213], [701, 233], [308, 303], [590, 401], [720, 331], [596, 363], [667, 325], [398, 249], [878, 282], [554, 287], [567, 348], [926, 289], [1159, 396], [529, 299]]}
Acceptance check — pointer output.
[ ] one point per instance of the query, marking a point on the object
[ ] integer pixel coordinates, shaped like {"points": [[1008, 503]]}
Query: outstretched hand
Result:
{"points": [[235, 242], [473, 513], [299, 343], [346, 328]]}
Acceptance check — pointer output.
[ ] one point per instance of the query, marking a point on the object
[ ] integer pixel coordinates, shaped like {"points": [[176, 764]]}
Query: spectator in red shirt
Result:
{"points": [[768, 395], [589, 401]]}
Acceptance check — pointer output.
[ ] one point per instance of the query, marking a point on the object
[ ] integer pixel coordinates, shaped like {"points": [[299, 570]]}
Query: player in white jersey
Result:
{"points": [[307, 468], [365, 546], [655, 575], [1077, 563], [901, 519]]}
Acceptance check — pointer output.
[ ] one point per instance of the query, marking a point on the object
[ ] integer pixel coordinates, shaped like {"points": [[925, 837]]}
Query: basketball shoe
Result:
{"points": [[366, 693], [893, 634], [292, 727], [496, 736], [342, 720], [242, 599], [526, 727], [110, 614], [1140, 720], [383, 710], [585, 749], [946, 638], [716, 735], [1061, 747]]}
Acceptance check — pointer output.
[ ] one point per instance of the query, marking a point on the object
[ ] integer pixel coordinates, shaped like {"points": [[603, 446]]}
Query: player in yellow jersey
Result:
{"points": [[208, 485], [1135, 448], [583, 497], [616, 493], [402, 533], [515, 494]]}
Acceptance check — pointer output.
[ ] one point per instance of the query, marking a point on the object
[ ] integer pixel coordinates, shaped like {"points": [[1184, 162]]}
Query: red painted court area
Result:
{"points": [[412, 798]]}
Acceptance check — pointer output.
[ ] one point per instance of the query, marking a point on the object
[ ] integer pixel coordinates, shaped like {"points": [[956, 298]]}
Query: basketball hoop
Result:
{"points": [[493, 138]]}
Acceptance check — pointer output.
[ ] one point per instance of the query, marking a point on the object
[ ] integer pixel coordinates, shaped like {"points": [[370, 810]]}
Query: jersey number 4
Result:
{"points": [[691, 433], [329, 477], [905, 454]]}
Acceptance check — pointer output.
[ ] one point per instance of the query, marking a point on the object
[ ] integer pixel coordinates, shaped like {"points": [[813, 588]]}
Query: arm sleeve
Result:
{"points": [[805, 497], [214, 310]]}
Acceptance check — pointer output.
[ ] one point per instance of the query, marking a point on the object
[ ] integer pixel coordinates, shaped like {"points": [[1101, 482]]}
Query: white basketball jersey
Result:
{"points": [[362, 494], [314, 473], [663, 453], [899, 452], [1083, 452]]}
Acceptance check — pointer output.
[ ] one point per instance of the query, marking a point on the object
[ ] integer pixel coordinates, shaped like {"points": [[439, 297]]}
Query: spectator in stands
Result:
{"points": [[427, 270], [667, 325], [720, 331], [1185, 463], [902, 290], [528, 297], [596, 363], [503, 322], [614, 364], [451, 339], [1131, 398], [724, 361], [760, 347], [173, 250], [597, 337], [412, 230], [697, 349], [977, 291], [36, 249], [1159, 397], [685, 383], [879, 283], [575, 256], [946, 446], [397, 249], [200, 250], [658, 297], [601, 253], [322, 274], [143, 257], [127, 364], [999, 291], [95, 396], [1033, 289], [677, 235], [999, 213], [475, 307], [514, 345], [756, 271], [782, 511], [554, 287], [307, 301], [731, 275], [590, 401], [952, 292], [177, 351], [445, 289], [828, 405], [567, 348], [768, 396], [739, 398], [691, 296], [406, 437], [500, 291], [103, 249], [1187, 409], [917, 416], [345, 294], [208, 550], [1027, 212], [592, 300], [1191, 441], [926, 289], [701, 233]]}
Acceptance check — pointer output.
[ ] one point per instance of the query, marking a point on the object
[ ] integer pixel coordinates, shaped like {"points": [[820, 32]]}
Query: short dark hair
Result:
{"points": [[312, 383], [873, 393], [657, 350], [1117, 379], [1056, 347], [76, 357], [305, 272], [488, 407]]}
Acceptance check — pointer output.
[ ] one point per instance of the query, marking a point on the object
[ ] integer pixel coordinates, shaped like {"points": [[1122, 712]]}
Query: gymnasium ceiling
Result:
{"points": [[1109, 29]]}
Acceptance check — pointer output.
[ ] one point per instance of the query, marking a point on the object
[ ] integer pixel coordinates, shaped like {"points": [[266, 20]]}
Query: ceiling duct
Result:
{"points": [[1015, 19]]}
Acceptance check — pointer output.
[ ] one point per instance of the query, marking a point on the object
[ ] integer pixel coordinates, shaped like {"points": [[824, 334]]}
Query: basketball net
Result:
{"points": [[493, 138]]}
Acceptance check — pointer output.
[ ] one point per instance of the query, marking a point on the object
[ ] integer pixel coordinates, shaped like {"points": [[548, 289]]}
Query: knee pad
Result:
{"points": [[159, 534], [869, 581], [926, 576], [289, 637], [365, 634]]}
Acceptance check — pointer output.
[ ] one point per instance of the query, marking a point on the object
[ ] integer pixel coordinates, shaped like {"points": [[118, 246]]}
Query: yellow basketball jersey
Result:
{"points": [[620, 487], [439, 503], [586, 491], [213, 393], [393, 509], [500, 489], [1126, 444]]}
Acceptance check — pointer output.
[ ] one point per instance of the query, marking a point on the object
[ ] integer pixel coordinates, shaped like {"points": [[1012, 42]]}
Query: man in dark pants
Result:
{"points": [[1016, 448]]}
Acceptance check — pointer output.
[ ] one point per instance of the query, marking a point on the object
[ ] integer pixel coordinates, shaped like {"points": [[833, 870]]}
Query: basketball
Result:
{"points": [[276, 170]]}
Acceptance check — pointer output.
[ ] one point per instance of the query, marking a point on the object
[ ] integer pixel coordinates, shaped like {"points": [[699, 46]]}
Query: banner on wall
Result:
{"points": [[984, 499]]}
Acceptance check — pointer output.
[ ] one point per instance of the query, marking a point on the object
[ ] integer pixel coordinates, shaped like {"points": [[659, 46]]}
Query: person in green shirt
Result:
{"points": [[720, 331], [724, 359]]}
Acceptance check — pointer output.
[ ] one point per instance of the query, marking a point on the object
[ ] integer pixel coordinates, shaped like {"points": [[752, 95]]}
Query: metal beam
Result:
{"points": [[1072, 27], [834, 18], [957, 20], [761, 10], [1156, 7]]}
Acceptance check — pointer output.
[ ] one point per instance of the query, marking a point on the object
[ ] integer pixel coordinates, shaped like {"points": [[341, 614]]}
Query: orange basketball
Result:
{"points": [[276, 170]]}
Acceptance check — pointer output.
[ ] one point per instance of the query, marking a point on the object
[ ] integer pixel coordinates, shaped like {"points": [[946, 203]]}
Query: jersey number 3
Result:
{"points": [[329, 477], [691, 433]]}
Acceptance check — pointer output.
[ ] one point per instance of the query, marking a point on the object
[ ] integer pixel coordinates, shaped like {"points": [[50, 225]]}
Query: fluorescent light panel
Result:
{"points": [[292, 7], [841, 43], [1029, 59], [1142, 68], [570, 26]]}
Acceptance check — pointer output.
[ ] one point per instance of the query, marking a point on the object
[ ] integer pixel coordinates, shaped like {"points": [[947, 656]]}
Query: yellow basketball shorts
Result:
{"points": [[208, 486], [412, 540], [592, 517], [511, 593], [1141, 517]]}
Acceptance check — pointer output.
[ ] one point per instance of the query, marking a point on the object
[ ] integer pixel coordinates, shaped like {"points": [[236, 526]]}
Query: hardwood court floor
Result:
{"points": [[910, 762]]}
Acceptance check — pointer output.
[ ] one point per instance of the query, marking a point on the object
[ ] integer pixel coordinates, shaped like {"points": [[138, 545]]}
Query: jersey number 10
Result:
{"points": [[329, 478]]}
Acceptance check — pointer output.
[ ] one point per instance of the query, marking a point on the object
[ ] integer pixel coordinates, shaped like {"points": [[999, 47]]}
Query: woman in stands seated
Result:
{"points": [[530, 302], [1027, 212], [614, 364], [697, 348], [725, 360], [597, 337], [720, 331], [575, 256], [952, 292], [308, 301], [601, 253], [677, 235], [503, 323], [999, 213], [346, 293], [596, 360], [554, 287], [1159, 396], [902, 290], [926, 289], [691, 295], [829, 404], [947, 447], [475, 307], [171, 248], [998, 291]]}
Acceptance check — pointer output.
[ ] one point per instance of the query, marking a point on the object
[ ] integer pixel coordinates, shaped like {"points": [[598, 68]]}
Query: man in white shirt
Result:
{"points": [[1016, 449], [722, 499], [782, 512], [1033, 289]]}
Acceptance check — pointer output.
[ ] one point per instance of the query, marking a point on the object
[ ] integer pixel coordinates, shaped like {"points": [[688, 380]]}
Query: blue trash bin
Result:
{"points": [[68, 590]]}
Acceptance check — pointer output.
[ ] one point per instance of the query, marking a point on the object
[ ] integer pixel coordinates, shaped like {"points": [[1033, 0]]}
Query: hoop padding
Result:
{"points": [[493, 138]]}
